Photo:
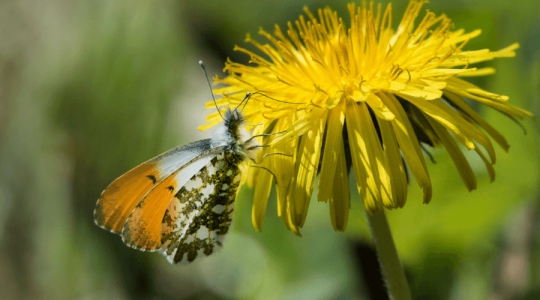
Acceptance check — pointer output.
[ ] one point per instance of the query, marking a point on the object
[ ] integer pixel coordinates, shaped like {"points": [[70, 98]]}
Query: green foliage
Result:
{"points": [[89, 90]]}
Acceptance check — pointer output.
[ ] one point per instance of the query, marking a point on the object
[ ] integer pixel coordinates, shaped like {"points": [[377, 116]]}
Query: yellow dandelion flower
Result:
{"points": [[365, 96]]}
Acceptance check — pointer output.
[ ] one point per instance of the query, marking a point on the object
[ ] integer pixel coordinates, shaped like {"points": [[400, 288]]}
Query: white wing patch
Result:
{"points": [[201, 212], [174, 159]]}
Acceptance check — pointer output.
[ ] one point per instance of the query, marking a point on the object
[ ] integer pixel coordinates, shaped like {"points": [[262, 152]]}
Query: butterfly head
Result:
{"points": [[233, 120], [232, 134]]}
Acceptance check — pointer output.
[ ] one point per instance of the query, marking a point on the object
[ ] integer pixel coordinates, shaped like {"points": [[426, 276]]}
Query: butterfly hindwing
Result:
{"points": [[201, 211], [122, 196], [142, 229]]}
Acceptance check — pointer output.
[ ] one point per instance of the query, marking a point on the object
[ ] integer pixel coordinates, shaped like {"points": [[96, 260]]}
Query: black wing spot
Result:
{"points": [[153, 178], [171, 188]]}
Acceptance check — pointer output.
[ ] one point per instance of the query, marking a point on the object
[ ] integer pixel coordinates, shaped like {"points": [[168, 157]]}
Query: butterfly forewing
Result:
{"points": [[201, 211], [142, 229], [122, 196]]}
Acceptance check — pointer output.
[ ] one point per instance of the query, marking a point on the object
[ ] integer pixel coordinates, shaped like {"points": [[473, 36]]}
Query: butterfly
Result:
{"points": [[181, 202]]}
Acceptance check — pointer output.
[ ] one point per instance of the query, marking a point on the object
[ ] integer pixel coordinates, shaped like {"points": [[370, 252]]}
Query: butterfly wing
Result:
{"points": [[142, 229], [122, 196], [200, 213]]}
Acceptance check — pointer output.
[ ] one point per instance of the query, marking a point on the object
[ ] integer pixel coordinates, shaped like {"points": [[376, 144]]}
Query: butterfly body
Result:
{"points": [[182, 202]]}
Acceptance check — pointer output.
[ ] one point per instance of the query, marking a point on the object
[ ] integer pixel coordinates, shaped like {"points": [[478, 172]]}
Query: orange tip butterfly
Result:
{"points": [[181, 202]]}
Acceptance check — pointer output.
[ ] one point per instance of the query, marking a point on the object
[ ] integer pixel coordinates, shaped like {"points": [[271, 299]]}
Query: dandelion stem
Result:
{"points": [[393, 274]]}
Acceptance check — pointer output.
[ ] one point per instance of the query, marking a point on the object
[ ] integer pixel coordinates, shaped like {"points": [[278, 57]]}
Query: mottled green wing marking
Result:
{"points": [[201, 212]]}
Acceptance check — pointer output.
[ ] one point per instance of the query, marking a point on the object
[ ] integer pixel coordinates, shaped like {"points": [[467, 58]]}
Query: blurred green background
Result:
{"points": [[89, 89]]}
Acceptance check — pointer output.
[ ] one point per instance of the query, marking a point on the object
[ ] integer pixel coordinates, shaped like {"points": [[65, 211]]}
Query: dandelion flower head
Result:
{"points": [[364, 96]]}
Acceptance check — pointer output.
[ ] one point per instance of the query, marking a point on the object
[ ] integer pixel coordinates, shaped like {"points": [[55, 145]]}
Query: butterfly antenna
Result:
{"points": [[273, 153], [246, 98], [277, 100], [257, 146], [210, 86], [265, 134]]}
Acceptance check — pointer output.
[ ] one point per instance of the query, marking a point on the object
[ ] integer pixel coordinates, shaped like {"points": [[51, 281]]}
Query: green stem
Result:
{"points": [[392, 271]]}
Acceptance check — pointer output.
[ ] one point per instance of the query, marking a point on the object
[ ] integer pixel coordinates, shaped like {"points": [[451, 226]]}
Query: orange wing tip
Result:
{"points": [[119, 199]]}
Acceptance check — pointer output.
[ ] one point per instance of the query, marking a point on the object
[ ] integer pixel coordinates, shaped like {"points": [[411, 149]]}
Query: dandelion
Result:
{"points": [[365, 96]]}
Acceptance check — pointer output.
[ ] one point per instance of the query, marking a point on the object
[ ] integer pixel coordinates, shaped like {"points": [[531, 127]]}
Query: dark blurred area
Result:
{"points": [[90, 89]]}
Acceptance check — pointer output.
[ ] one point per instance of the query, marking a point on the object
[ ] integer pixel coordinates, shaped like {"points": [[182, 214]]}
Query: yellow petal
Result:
{"points": [[212, 105], [359, 96], [283, 167], [420, 124], [226, 90], [339, 198], [456, 83], [331, 102], [442, 116], [420, 91], [499, 104], [457, 156], [285, 183], [253, 173], [473, 72], [468, 129], [472, 57], [462, 105], [488, 164], [446, 72], [366, 154], [394, 164], [379, 108], [306, 169], [409, 145], [290, 216], [439, 85], [300, 127], [504, 107], [463, 37], [282, 205], [252, 177], [334, 138], [260, 198], [213, 115], [208, 125]]}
